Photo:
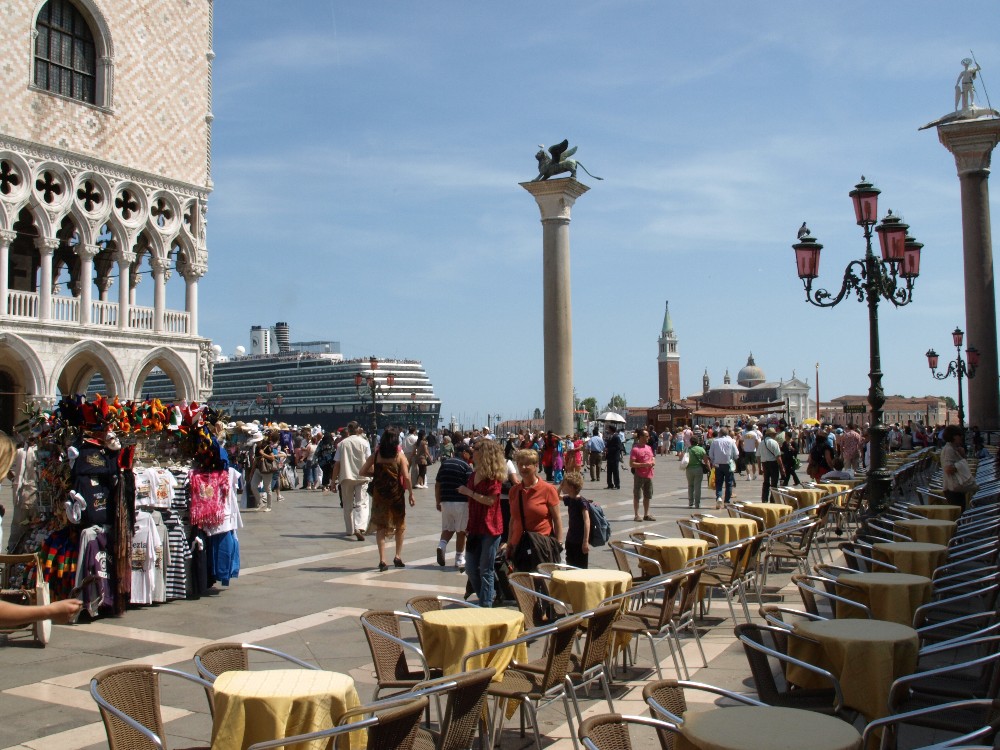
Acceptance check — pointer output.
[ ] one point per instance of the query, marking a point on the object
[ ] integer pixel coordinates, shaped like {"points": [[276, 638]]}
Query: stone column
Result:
{"points": [[125, 260], [7, 236], [46, 248], [971, 142], [159, 267], [191, 277], [86, 279], [555, 199]]}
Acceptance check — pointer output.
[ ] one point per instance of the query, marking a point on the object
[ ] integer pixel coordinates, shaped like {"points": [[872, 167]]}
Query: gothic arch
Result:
{"points": [[19, 359], [73, 373], [171, 364]]}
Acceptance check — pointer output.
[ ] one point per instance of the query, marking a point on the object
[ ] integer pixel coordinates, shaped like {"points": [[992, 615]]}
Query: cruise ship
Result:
{"points": [[310, 382]]}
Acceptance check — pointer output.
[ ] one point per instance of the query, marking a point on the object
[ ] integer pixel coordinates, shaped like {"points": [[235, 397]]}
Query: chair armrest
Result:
{"points": [[738, 697], [785, 658], [544, 597], [766, 614], [529, 637], [151, 736], [324, 733], [640, 557], [901, 684], [282, 654]]}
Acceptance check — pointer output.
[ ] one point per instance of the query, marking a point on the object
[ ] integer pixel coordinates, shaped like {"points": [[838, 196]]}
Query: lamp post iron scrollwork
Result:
{"points": [[373, 391], [270, 402], [870, 279], [958, 367]]}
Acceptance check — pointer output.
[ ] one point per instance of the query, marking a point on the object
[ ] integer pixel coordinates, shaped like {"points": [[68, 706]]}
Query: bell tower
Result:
{"points": [[669, 361]]}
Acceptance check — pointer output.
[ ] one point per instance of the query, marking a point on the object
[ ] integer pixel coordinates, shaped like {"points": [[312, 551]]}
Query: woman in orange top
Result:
{"points": [[535, 499]]}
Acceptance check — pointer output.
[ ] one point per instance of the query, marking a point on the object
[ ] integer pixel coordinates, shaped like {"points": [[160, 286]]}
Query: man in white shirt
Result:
{"points": [[352, 452], [720, 453], [771, 468], [409, 446], [751, 440]]}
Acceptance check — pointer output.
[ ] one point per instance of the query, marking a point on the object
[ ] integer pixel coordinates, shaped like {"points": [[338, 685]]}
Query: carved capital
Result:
{"points": [[159, 265], [555, 198], [125, 257], [195, 271], [87, 252], [7, 236], [46, 245], [971, 142]]}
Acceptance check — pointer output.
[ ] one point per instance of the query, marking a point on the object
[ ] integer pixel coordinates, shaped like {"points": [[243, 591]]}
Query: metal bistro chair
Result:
{"points": [[611, 732], [667, 702], [982, 716], [128, 698], [392, 726], [389, 652], [417, 605], [530, 592]]}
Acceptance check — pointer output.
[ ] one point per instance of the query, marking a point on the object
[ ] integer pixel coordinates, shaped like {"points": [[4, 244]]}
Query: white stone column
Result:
{"points": [[86, 255], [46, 249], [971, 142], [125, 261], [7, 236], [555, 200], [193, 273], [159, 267]]}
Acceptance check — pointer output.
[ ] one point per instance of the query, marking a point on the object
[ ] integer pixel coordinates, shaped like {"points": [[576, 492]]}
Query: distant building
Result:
{"points": [[754, 395], [927, 410]]}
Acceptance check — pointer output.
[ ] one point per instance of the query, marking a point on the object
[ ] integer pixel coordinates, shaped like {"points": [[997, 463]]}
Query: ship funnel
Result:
{"points": [[281, 333]]}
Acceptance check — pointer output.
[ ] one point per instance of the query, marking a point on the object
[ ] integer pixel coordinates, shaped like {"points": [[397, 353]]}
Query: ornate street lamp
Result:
{"points": [[374, 390], [269, 401], [870, 279], [958, 367]]}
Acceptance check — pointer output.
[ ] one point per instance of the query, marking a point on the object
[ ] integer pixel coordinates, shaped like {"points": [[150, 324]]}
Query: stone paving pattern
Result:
{"points": [[301, 589]]}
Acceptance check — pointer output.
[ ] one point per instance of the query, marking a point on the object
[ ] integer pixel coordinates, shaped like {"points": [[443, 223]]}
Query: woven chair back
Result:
{"points": [[397, 727], [134, 690], [390, 661]]}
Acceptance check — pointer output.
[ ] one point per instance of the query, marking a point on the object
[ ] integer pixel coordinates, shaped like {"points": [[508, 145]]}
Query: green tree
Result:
{"points": [[537, 414], [951, 402], [616, 403], [590, 404]]}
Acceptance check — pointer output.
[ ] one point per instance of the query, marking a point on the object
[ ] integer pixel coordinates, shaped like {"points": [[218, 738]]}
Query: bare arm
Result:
{"points": [[556, 519], [586, 531], [368, 470], [15, 615]]}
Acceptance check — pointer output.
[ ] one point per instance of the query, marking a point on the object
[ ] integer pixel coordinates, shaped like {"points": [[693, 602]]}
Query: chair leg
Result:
{"points": [[656, 658], [569, 721]]}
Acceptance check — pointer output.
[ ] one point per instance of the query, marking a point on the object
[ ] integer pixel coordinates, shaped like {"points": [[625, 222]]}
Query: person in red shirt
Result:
{"points": [[642, 460], [535, 499], [485, 526]]}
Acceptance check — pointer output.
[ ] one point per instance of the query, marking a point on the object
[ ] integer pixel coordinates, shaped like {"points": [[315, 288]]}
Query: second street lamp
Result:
{"points": [[870, 279], [956, 367]]}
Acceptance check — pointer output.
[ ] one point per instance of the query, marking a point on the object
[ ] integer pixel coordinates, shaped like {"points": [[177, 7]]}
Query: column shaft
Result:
{"points": [[980, 299], [124, 291], [191, 303], [7, 236], [557, 314]]}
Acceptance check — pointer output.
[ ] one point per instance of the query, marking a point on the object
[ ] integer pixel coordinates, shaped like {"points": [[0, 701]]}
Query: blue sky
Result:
{"points": [[366, 160]]}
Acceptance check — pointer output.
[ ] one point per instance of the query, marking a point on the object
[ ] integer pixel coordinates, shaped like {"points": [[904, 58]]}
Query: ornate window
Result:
{"points": [[65, 52]]}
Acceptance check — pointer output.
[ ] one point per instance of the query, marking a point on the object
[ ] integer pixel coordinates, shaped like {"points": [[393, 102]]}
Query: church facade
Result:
{"points": [[105, 173], [753, 390]]}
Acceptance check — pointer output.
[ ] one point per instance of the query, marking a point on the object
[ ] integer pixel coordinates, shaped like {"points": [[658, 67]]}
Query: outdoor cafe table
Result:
{"points": [[866, 656], [804, 496], [585, 589], [269, 704], [918, 558], [673, 553], [833, 487], [772, 513], [729, 530], [764, 728], [937, 512], [890, 596], [447, 635], [927, 530]]}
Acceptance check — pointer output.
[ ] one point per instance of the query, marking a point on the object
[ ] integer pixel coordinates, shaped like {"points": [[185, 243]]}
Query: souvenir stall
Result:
{"points": [[127, 504]]}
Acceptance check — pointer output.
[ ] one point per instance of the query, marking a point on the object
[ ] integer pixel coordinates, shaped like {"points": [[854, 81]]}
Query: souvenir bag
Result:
{"points": [[267, 464]]}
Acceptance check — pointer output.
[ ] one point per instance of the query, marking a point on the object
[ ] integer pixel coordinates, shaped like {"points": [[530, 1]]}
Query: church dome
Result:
{"points": [[750, 375]]}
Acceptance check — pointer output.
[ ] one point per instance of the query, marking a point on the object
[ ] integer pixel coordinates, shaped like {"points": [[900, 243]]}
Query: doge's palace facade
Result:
{"points": [[105, 172]]}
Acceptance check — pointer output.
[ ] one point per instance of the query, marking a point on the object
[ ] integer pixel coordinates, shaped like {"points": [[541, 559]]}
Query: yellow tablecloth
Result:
{"points": [[918, 558], [937, 512], [585, 589], [269, 704], [926, 530], [834, 487], [804, 496], [448, 635], [865, 655], [772, 513], [765, 728], [674, 553], [893, 597], [729, 529]]}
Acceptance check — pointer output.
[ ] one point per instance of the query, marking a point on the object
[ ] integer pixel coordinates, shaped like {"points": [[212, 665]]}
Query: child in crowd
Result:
{"points": [[578, 531], [838, 472]]}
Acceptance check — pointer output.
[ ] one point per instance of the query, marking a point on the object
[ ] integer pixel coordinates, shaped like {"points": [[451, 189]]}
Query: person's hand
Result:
{"points": [[585, 548], [464, 490], [64, 611], [438, 506], [412, 499]]}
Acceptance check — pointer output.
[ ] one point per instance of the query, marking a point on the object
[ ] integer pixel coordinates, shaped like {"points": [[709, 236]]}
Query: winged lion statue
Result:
{"points": [[558, 161]]}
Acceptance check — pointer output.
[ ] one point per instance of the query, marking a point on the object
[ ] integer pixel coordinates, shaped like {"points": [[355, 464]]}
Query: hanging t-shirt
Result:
{"points": [[209, 492], [162, 485], [143, 488], [146, 550], [232, 519]]}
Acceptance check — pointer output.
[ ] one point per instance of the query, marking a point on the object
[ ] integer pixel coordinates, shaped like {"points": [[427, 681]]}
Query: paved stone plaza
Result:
{"points": [[301, 590]]}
